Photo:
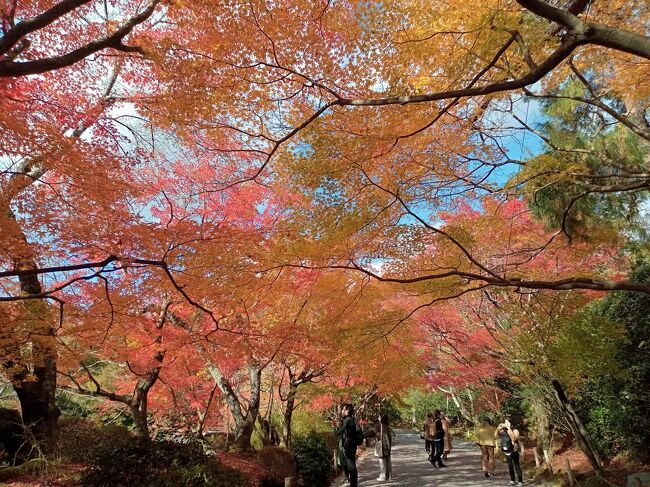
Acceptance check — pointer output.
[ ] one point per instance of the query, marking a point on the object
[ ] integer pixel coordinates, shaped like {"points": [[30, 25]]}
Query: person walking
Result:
{"points": [[350, 433], [446, 423], [428, 432], [485, 440], [508, 438], [383, 447], [438, 440]]}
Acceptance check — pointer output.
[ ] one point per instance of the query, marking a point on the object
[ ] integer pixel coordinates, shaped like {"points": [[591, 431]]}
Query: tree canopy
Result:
{"points": [[221, 198]]}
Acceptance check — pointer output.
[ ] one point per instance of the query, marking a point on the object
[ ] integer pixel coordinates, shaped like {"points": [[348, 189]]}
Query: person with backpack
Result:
{"points": [[351, 436], [508, 440], [438, 440]]}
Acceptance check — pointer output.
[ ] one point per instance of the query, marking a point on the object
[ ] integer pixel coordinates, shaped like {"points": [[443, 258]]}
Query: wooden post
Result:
{"points": [[569, 472], [538, 461]]}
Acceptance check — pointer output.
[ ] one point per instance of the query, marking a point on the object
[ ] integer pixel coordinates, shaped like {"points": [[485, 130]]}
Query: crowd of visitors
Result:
{"points": [[436, 433]]}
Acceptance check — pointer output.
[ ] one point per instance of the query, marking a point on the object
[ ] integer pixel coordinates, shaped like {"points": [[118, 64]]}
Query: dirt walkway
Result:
{"points": [[411, 468]]}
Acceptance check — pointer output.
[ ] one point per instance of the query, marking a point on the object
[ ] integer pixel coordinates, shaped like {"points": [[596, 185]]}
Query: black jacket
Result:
{"points": [[347, 433]]}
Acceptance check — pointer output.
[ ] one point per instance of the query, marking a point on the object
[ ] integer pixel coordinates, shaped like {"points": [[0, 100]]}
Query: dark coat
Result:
{"points": [[347, 433]]}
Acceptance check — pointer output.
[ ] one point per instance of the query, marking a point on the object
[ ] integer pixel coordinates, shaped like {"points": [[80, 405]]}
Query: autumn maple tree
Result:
{"points": [[172, 174]]}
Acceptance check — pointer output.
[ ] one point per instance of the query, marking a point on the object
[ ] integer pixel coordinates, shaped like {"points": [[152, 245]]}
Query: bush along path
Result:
{"points": [[411, 468]]}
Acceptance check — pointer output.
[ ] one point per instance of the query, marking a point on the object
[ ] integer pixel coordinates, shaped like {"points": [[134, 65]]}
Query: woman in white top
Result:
{"points": [[383, 446]]}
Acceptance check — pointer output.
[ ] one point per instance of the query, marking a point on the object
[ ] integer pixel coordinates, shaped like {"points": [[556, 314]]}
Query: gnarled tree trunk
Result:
{"points": [[295, 381], [244, 418], [577, 428], [33, 374], [138, 400], [37, 401], [138, 403], [288, 415], [34, 377]]}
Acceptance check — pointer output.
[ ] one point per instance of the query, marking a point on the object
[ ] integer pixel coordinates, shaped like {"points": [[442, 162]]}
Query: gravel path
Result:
{"points": [[411, 468]]}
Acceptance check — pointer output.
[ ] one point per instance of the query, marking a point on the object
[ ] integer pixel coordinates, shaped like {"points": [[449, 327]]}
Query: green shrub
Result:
{"points": [[159, 464], [615, 407], [596, 481], [219, 441], [313, 453], [278, 462], [70, 405], [305, 421], [83, 440]]}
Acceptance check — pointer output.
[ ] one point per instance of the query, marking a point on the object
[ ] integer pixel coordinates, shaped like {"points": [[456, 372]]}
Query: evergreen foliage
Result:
{"points": [[569, 185], [616, 407], [313, 453]]}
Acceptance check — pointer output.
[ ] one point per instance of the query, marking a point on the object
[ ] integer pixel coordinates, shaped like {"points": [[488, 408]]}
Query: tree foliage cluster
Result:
{"points": [[566, 369], [211, 213]]}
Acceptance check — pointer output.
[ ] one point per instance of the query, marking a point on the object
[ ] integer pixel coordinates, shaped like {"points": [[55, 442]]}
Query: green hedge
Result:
{"points": [[314, 458], [159, 464]]}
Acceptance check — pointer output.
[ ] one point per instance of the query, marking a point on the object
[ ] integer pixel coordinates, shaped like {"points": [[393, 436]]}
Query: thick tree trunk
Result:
{"points": [[288, 415], [32, 371], [270, 435], [140, 399], [138, 408], [139, 403], [577, 428], [37, 401], [545, 439], [244, 421], [243, 433], [540, 408], [12, 435], [36, 389], [244, 430], [35, 382]]}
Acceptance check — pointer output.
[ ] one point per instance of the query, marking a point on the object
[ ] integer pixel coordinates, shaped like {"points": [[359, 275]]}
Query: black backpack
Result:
{"points": [[358, 434], [353, 435], [507, 446], [440, 432]]}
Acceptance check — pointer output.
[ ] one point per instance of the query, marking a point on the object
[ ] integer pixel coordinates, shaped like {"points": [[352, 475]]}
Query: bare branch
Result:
{"points": [[532, 65]]}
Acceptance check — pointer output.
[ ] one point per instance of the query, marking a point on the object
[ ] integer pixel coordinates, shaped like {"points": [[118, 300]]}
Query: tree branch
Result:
{"points": [[578, 6], [15, 69], [30, 25], [589, 32], [63, 268], [566, 284], [559, 55], [554, 14]]}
